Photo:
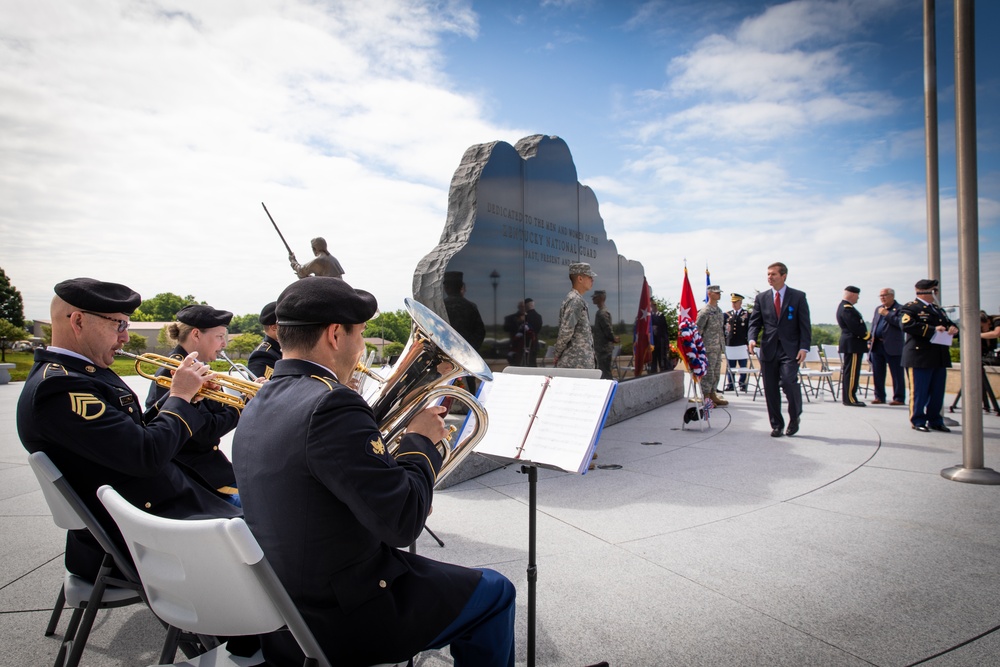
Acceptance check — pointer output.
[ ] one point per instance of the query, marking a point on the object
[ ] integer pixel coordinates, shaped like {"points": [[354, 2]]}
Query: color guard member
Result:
{"points": [[853, 345]]}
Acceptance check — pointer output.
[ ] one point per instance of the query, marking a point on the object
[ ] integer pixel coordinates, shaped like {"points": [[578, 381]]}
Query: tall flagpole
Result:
{"points": [[971, 470]]}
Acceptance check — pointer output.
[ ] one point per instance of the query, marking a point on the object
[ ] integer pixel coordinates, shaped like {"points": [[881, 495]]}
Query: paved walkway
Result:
{"points": [[840, 546]]}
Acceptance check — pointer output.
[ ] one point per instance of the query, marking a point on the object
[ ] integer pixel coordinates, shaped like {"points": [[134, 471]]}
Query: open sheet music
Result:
{"points": [[550, 421]]}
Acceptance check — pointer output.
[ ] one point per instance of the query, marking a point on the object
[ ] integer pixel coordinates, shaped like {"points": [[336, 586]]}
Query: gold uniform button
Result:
{"points": [[216, 448], [381, 583], [148, 505], [130, 410]]}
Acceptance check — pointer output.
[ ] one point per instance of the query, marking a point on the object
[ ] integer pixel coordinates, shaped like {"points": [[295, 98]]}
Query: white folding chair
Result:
{"points": [[209, 577], [85, 598], [824, 378], [737, 373], [833, 362]]}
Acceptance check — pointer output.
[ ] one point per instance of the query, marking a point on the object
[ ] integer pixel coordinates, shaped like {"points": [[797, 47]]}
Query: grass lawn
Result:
{"points": [[123, 366]]}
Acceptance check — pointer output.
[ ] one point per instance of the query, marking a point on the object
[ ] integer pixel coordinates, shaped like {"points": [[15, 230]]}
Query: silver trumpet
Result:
{"points": [[434, 356]]}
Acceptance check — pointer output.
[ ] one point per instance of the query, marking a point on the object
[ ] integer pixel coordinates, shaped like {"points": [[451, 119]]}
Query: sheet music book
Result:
{"points": [[551, 421]]}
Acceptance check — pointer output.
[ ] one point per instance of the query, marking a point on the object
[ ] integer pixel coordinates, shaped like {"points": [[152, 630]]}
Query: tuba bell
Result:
{"points": [[434, 356]]}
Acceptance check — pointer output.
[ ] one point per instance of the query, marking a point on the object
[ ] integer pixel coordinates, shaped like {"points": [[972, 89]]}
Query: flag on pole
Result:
{"points": [[708, 281], [641, 350], [689, 342]]}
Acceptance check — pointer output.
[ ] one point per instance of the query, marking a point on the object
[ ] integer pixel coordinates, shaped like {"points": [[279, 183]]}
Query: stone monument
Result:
{"points": [[517, 218]]}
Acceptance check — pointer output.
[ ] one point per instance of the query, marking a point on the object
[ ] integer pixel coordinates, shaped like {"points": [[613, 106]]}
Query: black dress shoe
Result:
{"points": [[940, 427], [856, 405], [793, 427], [776, 432], [923, 429]]}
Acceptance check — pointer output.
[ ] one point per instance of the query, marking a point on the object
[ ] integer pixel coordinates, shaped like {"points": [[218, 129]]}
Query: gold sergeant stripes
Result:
{"points": [[87, 406]]}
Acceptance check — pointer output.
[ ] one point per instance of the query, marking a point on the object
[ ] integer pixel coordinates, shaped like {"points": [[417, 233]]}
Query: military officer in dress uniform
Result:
{"points": [[854, 337], [202, 329], [926, 361], [331, 507], [89, 422], [737, 326], [574, 347], [262, 360]]}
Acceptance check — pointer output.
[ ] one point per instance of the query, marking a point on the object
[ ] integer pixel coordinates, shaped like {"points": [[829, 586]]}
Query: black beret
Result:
{"points": [[853, 289], [455, 278], [268, 315], [203, 317], [324, 300], [926, 283], [101, 297]]}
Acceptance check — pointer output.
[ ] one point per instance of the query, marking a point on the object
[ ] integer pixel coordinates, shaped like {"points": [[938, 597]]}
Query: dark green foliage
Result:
{"points": [[11, 303]]}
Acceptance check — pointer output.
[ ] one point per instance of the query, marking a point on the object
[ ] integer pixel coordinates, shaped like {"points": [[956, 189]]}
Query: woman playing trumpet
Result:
{"points": [[202, 329]]}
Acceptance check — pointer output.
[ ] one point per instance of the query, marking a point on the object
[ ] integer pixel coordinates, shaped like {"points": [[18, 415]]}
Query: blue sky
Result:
{"points": [[139, 138]]}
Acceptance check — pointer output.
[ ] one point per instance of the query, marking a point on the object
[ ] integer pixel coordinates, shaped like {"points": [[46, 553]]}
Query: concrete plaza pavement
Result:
{"points": [[842, 545]]}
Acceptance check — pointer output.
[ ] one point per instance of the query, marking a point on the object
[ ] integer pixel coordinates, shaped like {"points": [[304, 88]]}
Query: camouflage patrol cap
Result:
{"points": [[581, 269]]}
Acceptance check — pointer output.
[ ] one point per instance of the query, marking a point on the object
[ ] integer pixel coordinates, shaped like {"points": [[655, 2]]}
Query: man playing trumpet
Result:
{"points": [[331, 508], [89, 422]]}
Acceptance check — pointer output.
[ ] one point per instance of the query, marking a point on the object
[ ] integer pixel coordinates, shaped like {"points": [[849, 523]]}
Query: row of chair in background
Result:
{"points": [[202, 579], [816, 373]]}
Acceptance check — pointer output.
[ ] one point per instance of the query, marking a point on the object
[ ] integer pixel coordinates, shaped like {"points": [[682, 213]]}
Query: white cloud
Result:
{"points": [[140, 140]]}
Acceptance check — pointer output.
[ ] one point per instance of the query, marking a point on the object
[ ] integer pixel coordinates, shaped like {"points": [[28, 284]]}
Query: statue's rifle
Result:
{"points": [[291, 255]]}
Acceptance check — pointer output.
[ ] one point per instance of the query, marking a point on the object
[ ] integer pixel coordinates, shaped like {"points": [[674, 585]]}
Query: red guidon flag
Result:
{"points": [[642, 353]]}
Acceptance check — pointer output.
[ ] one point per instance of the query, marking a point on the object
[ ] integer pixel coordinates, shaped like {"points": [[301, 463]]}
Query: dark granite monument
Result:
{"points": [[517, 218]]}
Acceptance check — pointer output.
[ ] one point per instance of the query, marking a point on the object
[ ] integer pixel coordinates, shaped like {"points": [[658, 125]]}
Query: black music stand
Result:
{"points": [[531, 470]]}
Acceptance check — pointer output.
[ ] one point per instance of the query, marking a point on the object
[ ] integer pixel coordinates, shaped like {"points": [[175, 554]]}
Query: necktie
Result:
{"points": [[777, 305]]}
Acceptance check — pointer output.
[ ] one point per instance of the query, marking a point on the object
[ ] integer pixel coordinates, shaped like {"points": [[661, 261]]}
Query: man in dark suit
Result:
{"points": [[928, 361], [333, 509], [89, 422], [781, 317], [887, 348], [853, 345]]}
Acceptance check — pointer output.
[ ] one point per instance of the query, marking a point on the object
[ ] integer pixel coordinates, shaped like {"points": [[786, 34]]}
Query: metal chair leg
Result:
{"points": [[56, 612]]}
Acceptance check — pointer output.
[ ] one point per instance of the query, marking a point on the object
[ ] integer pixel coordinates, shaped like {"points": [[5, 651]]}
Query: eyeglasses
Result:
{"points": [[122, 324]]}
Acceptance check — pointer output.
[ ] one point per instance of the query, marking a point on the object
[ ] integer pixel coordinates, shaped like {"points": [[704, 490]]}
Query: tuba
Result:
{"points": [[434, 356]]}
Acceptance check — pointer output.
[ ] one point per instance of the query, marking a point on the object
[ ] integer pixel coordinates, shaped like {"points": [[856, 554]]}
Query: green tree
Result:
{"points": [[136, 344], [11, 304], [162, 307], [47, 334], [821, 336], [390, 326], [163, 338], [9, 334], [244, 344], [249, 323]]}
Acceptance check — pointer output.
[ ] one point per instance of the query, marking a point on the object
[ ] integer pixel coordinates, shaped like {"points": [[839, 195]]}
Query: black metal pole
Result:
{"points": [[532, 473]]}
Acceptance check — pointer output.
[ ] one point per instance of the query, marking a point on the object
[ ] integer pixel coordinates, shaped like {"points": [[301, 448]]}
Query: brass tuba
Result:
{"points": [[433, 357]]}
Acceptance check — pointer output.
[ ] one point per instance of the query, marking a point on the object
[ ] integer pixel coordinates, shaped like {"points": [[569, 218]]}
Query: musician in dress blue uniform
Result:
{"points": [[89, 422], [201, 329], [926, 363], [262, 360], [333, 510]]}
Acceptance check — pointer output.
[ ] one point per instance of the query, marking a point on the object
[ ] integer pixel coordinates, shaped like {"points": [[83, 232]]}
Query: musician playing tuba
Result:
{"points": [[331, 507], [202, 329]]}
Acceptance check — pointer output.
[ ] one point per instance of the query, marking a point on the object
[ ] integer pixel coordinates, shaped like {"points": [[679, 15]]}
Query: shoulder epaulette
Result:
{"points": [[328, 381], [53, 368]]}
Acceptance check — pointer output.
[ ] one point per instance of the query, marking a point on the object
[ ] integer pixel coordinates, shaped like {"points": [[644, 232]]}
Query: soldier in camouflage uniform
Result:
{"points": [[711, 324], [574, 347], [604, 336]]}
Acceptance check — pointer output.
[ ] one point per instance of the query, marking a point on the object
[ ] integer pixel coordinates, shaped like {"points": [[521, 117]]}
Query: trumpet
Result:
{"points": [[239, 368], [434, 356], [242, 387]]}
